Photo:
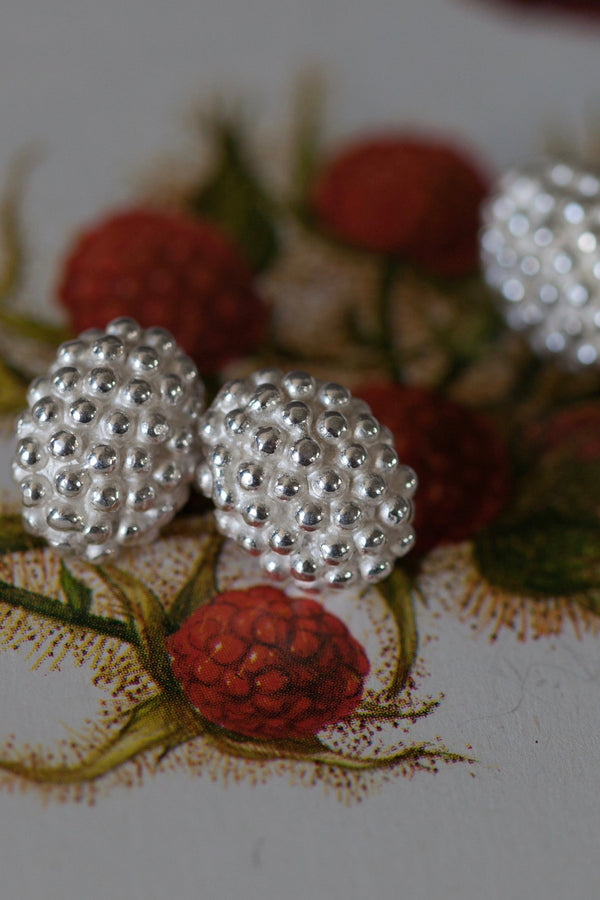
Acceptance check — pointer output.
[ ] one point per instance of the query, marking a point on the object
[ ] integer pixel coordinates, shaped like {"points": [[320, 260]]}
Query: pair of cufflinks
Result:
{"points": [[300, 473]]}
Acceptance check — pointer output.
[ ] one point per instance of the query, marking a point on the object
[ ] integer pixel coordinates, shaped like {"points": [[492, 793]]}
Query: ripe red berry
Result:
{"points": [[573, 432], [415, 198], [461, 462], [580, 8], [165, 269], [266, 665]]}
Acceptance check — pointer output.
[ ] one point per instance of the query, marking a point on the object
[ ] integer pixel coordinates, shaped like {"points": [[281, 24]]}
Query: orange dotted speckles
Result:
{"points": [[450, 577]]}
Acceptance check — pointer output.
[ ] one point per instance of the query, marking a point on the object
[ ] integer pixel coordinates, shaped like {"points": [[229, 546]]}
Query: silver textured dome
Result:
{"points": [[304, 477], [108, 446], [540, 250]]}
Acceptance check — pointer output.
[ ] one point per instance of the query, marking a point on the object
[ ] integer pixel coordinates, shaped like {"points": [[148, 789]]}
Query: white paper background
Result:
{"points": [[105, 86]]}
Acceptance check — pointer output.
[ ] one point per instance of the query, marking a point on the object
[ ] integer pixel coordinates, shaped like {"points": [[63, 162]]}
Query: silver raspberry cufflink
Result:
{"points": [[301, 473], [108, 446], [305, 478], [539, 249]]}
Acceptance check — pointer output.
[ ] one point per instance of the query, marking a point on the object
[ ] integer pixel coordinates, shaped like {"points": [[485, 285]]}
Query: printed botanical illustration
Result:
{"points": [[198, 663], [359, 265]]}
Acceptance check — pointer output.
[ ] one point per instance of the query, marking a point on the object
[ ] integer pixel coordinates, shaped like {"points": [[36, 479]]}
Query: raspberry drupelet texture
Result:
{"points": [[265, 665], [304, 477], [464, 466], [414, 197], [166, 269], [107, 447]]}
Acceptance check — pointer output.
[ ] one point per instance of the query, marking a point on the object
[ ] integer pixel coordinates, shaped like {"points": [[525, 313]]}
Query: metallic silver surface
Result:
{"points": [[305, 478], [107, 450], [540, 251]]}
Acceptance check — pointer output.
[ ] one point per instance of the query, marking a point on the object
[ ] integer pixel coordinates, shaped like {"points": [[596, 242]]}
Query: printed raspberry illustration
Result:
{"points": [[416, 198], [265, 665], [166, 269], [573, 431], [579, 9], [463, 464]]}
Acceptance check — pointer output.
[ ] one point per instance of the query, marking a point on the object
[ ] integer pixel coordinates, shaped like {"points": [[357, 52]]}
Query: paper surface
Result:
{"points": [[101, 87]]}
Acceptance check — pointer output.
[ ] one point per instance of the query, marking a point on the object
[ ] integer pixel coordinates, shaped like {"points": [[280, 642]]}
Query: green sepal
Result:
{"points": [[234, 197], [78, 595], [155, 724], [35, 329], [148, 618], [201, 586]]}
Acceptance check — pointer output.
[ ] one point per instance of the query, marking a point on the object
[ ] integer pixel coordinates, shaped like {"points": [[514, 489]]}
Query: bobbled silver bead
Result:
{"points": [[540, 250], [108, 446], [305, 478]]}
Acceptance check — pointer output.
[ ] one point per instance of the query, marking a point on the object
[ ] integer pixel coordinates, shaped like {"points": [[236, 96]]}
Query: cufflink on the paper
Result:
{"points": [[108, 446], [539, 248], [305, 478]]}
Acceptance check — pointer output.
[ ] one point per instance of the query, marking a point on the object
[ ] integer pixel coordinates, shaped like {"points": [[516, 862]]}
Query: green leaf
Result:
{"points": [[545, 554], [78, 594], [398, 592], [34, 329], [50, 608], [234, 197], [557, 482], [14, 538]]}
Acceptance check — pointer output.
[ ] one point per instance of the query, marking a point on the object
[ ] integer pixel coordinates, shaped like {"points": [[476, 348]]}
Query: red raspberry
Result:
{"points": [[461, 462], [573, 431], [415, 198], [268, 666], [165, 269], [579, 8]]}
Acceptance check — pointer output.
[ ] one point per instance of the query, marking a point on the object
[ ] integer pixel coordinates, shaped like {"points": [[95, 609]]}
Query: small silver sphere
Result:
{"points": [[305, 478], [107, 448], [540, 250]]}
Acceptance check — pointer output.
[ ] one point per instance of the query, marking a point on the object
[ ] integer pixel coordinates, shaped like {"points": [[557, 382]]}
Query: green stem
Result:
{"points": [[49, 608], [201, 587], [306, 136], [373, 713], [397, 591], [387, 282]]}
